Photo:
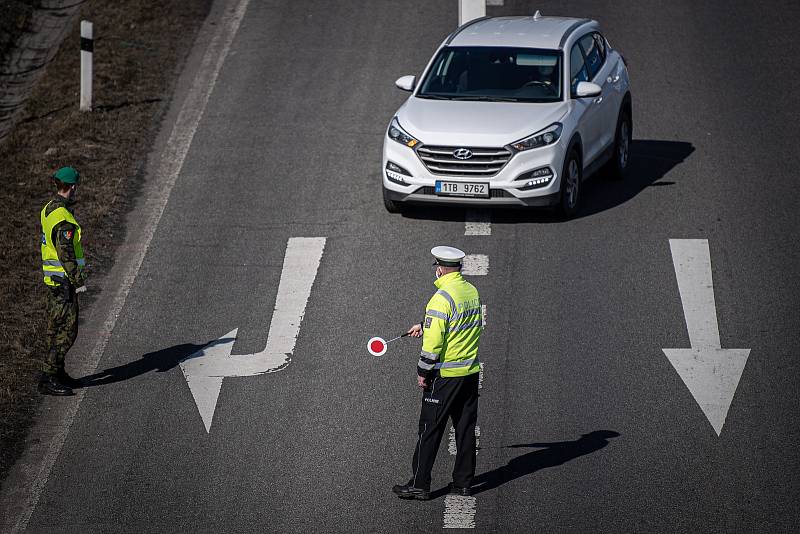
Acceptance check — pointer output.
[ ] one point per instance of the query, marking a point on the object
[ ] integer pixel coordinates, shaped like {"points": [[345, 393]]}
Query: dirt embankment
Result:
{"points": [[139, 45]]}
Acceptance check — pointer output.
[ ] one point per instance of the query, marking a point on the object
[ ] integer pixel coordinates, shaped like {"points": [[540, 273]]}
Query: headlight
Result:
{"points": [[396, 133], [545, 137]]}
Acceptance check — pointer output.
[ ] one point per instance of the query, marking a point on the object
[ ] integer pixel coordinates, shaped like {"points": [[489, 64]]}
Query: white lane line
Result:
{"points": [[475, 265], [459, 511], [483, 315], [710, 372], [172, 158], [498, 3], [477, 222], [205, 369], [470, 9], [480, 376], [451, 441]]}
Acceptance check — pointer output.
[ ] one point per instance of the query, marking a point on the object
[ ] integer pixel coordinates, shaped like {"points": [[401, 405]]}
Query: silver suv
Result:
{"points": [[510, 111]]}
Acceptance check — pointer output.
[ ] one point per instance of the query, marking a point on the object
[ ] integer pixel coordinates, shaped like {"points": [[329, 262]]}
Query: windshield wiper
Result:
{"points": [[435, 97], [487, 98]]}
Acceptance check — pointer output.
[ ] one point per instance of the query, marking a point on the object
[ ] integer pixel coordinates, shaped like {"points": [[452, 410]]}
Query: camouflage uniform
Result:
{"points": [[61, 301]]}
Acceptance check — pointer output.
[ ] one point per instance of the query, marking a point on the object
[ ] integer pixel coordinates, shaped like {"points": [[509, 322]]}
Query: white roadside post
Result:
{"points": [[470, 9], [87, 49]]}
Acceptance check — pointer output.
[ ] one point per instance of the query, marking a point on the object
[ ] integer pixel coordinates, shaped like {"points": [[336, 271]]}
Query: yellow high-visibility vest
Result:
{"points": [[452, 328], [54, 272]]}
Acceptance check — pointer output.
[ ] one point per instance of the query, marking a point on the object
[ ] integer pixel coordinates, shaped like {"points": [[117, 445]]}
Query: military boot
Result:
{"points": [[50, 385]]}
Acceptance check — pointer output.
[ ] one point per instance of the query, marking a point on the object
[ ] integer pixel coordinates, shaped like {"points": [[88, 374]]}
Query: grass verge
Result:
{"points": [[139, 47]]}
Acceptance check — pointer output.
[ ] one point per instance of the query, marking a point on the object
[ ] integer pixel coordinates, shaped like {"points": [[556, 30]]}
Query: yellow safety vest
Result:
{"points": [[452, 328], [51, 264]]}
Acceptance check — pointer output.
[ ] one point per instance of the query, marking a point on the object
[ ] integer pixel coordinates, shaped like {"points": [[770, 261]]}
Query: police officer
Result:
{"points": [[63, 265], [448, 374]]}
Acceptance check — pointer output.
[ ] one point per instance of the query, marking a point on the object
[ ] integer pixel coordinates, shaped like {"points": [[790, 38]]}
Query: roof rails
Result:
{"points": [[464, 27]]}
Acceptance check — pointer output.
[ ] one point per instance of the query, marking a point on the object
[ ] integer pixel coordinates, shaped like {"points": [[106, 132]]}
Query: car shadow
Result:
{"points": [[159, 361], [651, 160], [549, 455]]}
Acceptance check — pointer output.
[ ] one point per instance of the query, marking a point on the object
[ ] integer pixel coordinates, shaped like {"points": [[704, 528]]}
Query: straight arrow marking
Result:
{"points": [[710, 372], [205, 369]]}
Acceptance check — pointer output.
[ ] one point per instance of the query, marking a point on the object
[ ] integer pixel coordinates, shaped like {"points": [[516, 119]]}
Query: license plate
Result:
{"points": [[462, 189]]}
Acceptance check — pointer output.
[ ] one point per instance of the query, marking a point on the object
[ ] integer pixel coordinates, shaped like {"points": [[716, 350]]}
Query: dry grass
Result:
{"points": [[139, 44]]}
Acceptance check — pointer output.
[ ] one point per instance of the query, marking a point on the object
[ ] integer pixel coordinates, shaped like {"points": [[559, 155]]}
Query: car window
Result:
{"points": [[594, 59], [577, 67], [494, 73], [601, 44]]}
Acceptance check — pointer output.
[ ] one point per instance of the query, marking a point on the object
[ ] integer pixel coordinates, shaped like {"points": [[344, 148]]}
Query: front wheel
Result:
{"points": [[390, 205], [570, 185], [620, 161]]}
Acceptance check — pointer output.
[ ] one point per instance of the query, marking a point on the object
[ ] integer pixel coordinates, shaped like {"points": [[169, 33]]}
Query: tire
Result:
{"points": [[390, 205], [571, 177], [620, 161]]}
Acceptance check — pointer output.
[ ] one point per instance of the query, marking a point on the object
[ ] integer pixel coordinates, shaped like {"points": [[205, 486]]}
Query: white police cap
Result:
{"points": [[447, 256]]}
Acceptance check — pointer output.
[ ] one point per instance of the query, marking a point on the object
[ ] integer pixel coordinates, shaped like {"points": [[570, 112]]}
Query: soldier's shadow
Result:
{"points": [[549, 455], [159, 361]]}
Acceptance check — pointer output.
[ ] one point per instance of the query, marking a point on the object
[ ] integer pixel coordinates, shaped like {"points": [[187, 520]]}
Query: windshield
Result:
{"points": [[494, 74]]}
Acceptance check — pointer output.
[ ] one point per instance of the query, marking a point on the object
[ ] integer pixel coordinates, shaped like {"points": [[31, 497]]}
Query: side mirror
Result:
{"points": [[587, 90], [406, 83]]}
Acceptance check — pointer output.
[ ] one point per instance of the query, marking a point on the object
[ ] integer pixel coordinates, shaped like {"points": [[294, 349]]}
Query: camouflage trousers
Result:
{"points": [[62, 327]]}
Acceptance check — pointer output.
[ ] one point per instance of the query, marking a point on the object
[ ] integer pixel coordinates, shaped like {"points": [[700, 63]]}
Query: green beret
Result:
{"points": [[67, 175]]}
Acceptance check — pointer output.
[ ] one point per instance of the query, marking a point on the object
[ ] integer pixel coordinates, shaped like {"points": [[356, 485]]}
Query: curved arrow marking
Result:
{"points": [[205, 369], [710, 372]]}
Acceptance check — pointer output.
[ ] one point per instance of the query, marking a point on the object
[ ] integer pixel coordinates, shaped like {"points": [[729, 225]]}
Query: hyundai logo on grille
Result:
{"points": [[462, 153]]}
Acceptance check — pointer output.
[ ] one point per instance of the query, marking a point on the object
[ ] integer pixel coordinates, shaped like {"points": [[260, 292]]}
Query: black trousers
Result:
{"points": [[447, 398]]}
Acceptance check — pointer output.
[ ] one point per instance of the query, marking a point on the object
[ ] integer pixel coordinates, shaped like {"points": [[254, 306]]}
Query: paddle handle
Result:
{"points": [[398, 337]]}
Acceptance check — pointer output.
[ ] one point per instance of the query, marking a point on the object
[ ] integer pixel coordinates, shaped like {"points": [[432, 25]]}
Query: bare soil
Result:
{"points": [[139, 48]]}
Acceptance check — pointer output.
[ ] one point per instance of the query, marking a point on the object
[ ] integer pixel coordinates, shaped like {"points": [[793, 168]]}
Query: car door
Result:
{"points": [[606, 76], [587, 110]]}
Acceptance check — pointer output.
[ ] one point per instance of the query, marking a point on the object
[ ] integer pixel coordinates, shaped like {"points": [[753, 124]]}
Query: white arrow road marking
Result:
{"points": [[205, 369], [710, 372]]}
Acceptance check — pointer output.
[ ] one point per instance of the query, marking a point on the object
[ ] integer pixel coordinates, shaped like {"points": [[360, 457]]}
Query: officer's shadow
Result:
{"points": [[549, 455], [159, 361]]}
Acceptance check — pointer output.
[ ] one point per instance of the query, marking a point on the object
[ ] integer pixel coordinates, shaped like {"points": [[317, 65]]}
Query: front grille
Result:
{"points": [[483, 162], [493, 193]]}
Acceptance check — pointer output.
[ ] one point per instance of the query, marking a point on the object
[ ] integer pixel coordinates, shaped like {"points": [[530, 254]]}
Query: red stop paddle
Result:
{"points": [[377, 345]]}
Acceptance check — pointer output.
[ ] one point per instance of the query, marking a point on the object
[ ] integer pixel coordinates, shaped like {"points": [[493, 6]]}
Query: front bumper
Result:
{"points": [[421, 196], [505, 189]]}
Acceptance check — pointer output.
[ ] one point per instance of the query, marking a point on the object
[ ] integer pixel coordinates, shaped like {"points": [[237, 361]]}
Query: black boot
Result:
{"points": [[407, 491], [50, 385], [458, 490]]}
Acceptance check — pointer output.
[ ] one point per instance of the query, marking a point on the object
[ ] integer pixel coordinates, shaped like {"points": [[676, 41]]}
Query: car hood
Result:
{"points": [[487, 124]]}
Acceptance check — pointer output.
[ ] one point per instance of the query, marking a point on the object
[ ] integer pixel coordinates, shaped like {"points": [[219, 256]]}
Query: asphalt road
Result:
{"points": [[578, 312]]}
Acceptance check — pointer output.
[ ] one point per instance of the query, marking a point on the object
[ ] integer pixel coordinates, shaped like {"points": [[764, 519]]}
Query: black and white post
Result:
{"points": [[87, 49]]}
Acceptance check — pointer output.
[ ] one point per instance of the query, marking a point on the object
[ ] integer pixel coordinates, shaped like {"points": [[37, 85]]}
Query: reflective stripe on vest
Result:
{"points": [[456, 364]]}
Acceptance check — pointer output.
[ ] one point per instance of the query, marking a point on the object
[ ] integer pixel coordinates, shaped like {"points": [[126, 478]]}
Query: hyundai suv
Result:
{"points": [[510, 111]]}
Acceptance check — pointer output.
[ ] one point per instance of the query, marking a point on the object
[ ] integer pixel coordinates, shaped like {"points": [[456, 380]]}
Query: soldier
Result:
{"points": [[63, 265]]}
